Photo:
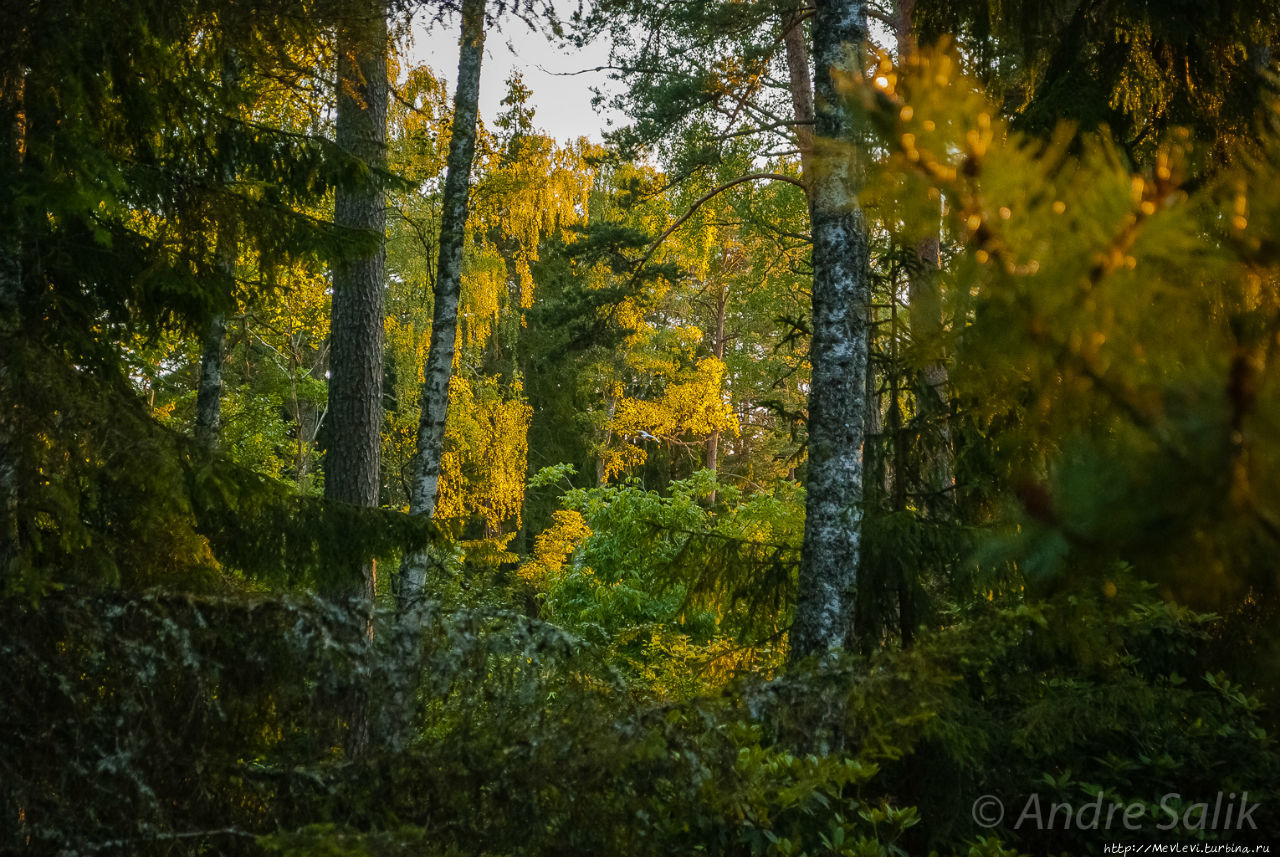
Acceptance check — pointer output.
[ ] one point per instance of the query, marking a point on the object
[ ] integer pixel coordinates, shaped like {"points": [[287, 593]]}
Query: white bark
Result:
{"points": [[838, 350], [208, 428], [424, 480], [209, 390]]}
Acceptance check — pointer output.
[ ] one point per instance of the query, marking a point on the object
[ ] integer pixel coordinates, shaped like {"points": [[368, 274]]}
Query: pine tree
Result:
{"points": [[352, 463]]}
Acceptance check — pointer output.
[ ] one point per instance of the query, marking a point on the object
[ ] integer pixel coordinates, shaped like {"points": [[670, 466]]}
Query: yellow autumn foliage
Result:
{"points": [[485, 449], [691, 404], [553, 546]]}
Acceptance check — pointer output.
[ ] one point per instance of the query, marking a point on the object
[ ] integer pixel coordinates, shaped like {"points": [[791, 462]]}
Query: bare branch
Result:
{"points": [[707, 197]]}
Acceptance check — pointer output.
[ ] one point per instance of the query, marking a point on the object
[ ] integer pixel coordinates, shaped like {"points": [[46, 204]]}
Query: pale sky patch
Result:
{"points": [[561, 99]]}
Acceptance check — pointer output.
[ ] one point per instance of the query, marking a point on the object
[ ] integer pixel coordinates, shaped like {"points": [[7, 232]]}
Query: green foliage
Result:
{"points": [[1084, 284], [670, 577], [1139, 68], [486, 732], [602, 669]]}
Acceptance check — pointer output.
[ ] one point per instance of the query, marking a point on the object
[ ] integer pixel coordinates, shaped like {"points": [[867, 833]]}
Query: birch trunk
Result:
{"points": [[353, 459], [209, 391], [838, 350], [424, 480], [213, 351]]}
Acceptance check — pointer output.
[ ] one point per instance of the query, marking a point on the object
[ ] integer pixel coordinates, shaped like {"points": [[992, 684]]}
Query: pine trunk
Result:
{"points": [[838, 350], [801, 84], [352, 461], [425, 479]]}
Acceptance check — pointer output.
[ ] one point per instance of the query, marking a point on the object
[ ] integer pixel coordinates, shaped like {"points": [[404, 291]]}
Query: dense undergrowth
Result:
{"points": [[171, 723]]}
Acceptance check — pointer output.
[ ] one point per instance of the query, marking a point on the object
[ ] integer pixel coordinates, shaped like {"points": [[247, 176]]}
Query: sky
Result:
{"points": [[561, 100]]}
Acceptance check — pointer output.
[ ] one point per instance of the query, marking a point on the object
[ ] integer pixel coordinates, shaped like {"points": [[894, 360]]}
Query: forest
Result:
{"points": [[867, 446]]}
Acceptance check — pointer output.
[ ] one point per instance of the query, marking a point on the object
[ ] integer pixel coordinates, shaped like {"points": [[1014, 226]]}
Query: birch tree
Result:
{"points": [[213, 352], [838, 349], [424, 480]]}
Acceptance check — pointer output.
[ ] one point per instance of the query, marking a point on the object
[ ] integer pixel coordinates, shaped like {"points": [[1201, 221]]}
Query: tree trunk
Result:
{"points": [[308, 416], [209, 391], [425, 478], [352, 461], [12, 121], [898, 497], [717, 348], [602, 465], [937, 482], [213, 353], [866, 621], [801, 89], [838, 349]]}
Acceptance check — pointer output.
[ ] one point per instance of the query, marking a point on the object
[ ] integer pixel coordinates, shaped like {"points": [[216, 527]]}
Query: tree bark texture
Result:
{"points": [[353, 458], [12, 134], [797, 50], [213, 350], [937, 480], [424, 480], [209, 391], [936, 467], [838, 349]]}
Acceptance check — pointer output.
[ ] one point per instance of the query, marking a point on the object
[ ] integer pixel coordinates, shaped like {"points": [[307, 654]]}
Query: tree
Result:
{"points": [[1138, 68], [424, 481], [119, 121], [208, 425], [352, 469], [838, 348], [12, 146], [923, 261]]}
